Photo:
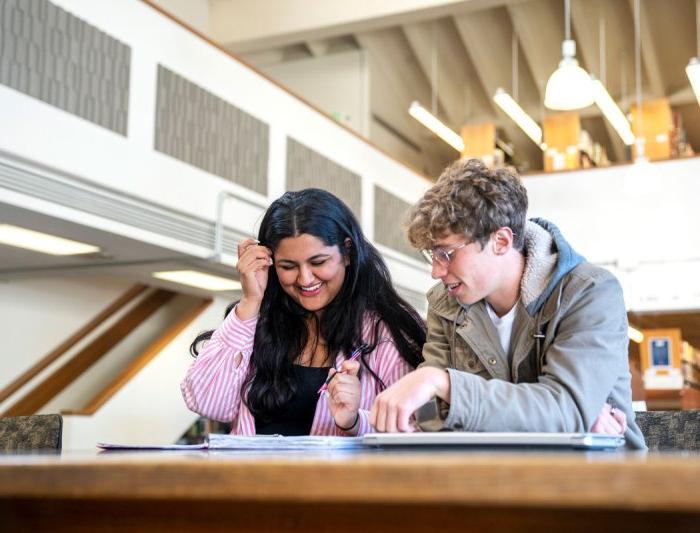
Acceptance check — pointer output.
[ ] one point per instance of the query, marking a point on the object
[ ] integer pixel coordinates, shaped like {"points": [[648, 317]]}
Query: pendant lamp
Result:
{"points": [[569, 87]]}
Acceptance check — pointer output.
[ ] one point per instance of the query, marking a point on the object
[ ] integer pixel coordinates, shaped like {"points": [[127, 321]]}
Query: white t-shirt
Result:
{"points": [[504, 325]]}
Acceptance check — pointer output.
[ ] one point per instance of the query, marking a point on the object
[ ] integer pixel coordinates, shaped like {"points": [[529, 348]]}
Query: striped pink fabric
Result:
{"points": [[212, 386]]}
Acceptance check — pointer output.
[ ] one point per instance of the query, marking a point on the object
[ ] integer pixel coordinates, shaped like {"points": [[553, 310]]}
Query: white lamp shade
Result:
{"points": [[569, 87]]}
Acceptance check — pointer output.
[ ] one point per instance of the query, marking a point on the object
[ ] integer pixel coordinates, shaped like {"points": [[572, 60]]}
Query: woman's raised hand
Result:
{"points": [[253, 264], [344, 394]]}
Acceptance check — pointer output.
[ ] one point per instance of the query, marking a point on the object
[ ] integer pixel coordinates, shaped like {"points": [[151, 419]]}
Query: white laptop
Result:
{"points": [[586, 441]]}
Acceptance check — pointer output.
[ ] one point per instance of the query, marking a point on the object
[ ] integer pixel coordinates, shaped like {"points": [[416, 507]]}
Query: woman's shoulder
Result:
{"points": [[375, 329]]}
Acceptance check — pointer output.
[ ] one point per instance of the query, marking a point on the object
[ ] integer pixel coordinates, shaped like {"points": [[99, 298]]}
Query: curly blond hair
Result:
{"points": [[472, 199]]}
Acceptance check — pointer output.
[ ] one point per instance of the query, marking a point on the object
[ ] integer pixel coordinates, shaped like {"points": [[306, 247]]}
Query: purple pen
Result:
{"points": [[354, 356]]}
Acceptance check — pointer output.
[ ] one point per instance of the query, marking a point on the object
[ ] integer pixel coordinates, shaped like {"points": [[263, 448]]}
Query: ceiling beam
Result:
{"points": [[539, 26], [395, 84], [650, 56], [487, 36], [246, 25], [585, 17], [454, 87]]}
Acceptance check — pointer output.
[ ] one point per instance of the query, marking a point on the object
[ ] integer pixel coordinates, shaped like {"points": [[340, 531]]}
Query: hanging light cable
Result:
{"points": [[569, 86], [430, 120], [509, 105], [693, 68], [640, 140], [602, 97]]}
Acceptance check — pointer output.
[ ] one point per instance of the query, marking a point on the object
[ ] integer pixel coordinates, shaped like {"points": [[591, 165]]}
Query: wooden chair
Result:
{"points": [[670, 430], [36, 432]]}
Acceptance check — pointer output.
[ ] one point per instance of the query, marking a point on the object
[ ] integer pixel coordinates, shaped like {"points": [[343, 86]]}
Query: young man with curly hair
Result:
{"points": [[523, 333]]}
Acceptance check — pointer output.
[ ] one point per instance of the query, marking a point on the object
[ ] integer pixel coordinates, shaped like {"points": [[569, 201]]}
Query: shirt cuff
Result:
{"points": [[362, 425]]}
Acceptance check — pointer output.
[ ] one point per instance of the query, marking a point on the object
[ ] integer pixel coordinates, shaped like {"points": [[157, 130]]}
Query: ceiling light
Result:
{"points": [[434, 124], [42, 242], [635, 335], [569, 87], [200, 280], [693, 73], [524, 121], [612, 112]]}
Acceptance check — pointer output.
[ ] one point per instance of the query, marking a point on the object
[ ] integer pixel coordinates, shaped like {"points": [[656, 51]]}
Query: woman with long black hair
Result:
{"points": [[315, 292]]}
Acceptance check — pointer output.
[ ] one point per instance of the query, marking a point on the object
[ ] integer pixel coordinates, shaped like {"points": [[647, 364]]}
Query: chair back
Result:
{"points": [[35, 432], [670, 430]]}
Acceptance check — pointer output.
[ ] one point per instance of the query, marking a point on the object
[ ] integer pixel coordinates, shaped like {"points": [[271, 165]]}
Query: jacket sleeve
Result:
{"points": [[583, 362], [212, 385], [436, 350]]}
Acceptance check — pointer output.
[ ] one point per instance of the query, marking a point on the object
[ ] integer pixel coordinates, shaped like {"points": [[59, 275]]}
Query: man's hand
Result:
{"points": [[392, 409], [610, 421]]}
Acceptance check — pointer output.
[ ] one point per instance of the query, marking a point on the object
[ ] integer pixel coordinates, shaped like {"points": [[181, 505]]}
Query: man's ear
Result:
{"points": [[502, 240]]}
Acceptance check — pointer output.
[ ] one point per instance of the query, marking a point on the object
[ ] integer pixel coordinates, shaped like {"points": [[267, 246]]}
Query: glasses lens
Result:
{"points": [[442, 256], [427, 255]]}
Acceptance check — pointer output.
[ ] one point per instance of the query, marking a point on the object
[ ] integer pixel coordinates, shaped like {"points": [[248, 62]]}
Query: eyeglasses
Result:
{"points": [[442, 255]]}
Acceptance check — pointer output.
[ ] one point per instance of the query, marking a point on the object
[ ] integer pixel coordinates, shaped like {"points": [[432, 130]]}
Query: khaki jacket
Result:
{"points": [[568, 349]]}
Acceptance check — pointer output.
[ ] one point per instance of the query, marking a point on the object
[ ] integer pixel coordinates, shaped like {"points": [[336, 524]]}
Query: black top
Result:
{"points": [[297, 416]]}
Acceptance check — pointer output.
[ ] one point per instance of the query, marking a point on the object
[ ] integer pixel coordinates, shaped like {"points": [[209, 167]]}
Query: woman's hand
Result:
{"points": [[611, 421], [253, 264], [344, 392]]}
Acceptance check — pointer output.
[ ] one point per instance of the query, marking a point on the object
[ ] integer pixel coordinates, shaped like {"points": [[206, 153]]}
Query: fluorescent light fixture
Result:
{"points": [[42, 242], [200, 280], [434, 124], [524, 121], [569, 87], [612, 112], [693, 73], [635, 335]]}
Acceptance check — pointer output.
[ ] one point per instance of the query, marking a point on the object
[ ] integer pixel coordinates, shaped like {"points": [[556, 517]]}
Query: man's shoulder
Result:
{"points": [[587, 277], [586, 273]]}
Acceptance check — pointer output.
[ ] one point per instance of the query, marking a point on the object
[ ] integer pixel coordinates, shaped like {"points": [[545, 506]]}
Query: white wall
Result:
{"points": [[638, 220], [38, 314], [336, 83], [196, 13], [150, 408], [94, 380]]}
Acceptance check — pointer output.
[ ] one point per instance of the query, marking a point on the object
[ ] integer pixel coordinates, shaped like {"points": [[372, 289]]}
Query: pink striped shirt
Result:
{"points": [[212, 385]]}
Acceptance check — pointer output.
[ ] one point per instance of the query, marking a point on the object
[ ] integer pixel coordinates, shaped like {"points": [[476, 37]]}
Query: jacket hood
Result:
{"points": [[549, 257]]}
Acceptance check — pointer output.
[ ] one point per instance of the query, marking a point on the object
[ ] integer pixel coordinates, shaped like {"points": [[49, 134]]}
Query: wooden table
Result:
{"points": [[367, 491]]}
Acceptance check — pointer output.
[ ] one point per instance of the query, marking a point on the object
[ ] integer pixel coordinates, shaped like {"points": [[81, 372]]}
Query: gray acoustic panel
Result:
{"points": [[306, 168], [207, 132], [389, 217], [116, 206], [49, 54]]}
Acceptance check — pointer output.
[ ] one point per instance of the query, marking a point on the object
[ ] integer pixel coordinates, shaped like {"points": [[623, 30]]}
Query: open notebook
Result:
{"points": [[588, 441]]}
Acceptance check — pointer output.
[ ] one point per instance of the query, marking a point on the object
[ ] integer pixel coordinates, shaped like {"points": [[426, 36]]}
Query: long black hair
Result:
{"points": [[282, 330]]}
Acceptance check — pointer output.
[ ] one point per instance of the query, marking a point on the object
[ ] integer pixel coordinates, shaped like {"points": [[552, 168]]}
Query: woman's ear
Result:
{"points": [[347, 243]]}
